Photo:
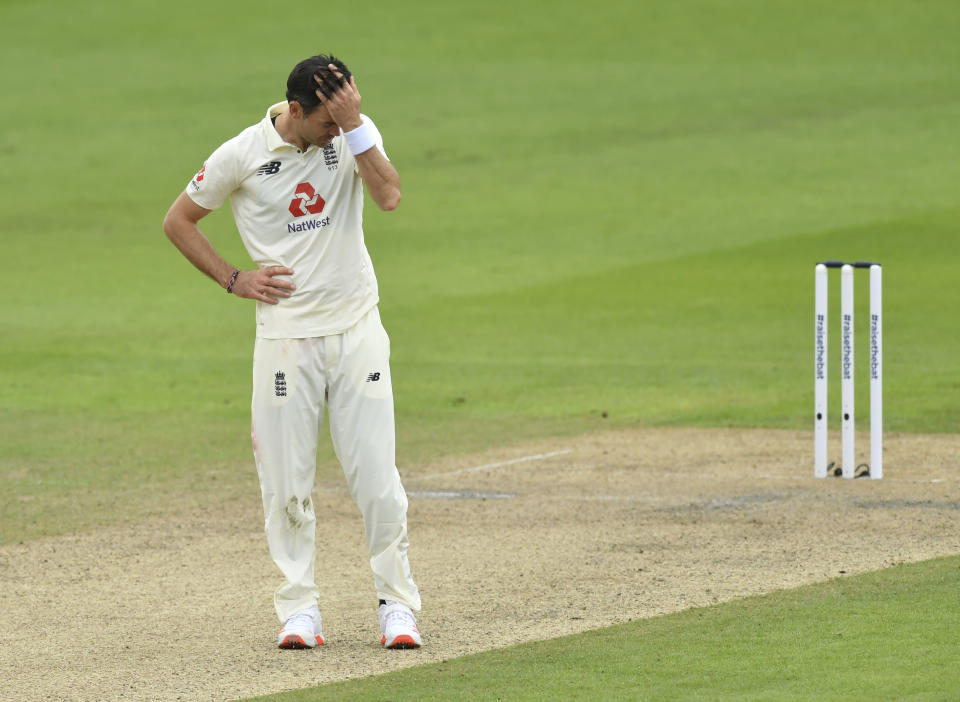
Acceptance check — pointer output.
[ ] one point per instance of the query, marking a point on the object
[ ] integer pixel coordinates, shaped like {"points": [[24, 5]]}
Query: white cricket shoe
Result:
{"points": [[302, 630], [398, 626]]}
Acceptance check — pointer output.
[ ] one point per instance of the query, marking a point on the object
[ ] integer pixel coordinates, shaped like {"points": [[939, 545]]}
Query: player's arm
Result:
{"points": [[379, 175], [181, 227]]}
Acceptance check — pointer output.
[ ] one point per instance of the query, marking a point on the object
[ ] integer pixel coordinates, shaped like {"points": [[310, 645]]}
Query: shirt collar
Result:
{"points": [[274, 140]]}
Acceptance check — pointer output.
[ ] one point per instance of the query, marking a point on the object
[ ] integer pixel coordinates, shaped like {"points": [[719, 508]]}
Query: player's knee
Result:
{"points": [[293, 511]]}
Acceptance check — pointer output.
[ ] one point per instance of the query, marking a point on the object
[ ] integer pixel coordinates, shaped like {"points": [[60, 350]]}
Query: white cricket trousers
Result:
{"points": [[292, 381]]}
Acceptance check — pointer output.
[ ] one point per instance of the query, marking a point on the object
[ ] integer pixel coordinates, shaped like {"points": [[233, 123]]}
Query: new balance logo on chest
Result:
{"points": [[270, 168]]}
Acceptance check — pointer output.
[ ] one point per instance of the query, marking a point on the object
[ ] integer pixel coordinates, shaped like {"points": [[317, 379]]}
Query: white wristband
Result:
{"points": [[361, 139]]}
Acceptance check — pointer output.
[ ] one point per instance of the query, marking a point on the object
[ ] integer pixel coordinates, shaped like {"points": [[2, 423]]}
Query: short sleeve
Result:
{"points": [[214, 183]]}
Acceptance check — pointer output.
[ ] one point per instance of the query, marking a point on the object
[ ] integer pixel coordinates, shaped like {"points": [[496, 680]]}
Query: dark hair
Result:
{"points": [[302, 88]]}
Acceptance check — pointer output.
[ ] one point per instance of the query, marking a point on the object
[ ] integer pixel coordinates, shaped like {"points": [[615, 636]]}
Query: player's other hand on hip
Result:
{"points": [[263, 284]]}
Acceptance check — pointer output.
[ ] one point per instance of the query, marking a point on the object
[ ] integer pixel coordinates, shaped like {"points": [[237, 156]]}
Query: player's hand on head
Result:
{"points": [[329, 81], [339, 96], [263, 284]]}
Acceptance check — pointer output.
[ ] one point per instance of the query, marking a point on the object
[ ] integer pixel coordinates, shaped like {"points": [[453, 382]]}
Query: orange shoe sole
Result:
{"points": [[295, 641], [402, 641]]}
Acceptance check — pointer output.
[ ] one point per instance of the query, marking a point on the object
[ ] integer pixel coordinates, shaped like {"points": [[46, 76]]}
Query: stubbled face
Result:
{"points": [[318, 127]]}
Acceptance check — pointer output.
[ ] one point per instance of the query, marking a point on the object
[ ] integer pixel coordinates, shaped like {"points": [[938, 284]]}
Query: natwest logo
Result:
{"points": [[195, 183], [306, 201]]}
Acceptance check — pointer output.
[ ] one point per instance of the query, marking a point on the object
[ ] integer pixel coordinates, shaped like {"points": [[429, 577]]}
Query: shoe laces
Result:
{"points": [[394, 612], [300, 619]]}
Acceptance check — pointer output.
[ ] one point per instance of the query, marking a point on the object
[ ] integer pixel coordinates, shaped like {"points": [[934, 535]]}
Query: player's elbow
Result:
{"points": [[173, 226], [390, 200], [390, 204], [168, 225], [181, 219]]}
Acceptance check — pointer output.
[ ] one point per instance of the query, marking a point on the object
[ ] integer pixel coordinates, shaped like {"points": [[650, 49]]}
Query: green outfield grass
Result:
{"points": [[610, 218], [612, 212], [849, 639]]}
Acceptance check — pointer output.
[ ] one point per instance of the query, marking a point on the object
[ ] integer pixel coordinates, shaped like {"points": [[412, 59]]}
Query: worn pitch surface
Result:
{"points": [[540, 540]]}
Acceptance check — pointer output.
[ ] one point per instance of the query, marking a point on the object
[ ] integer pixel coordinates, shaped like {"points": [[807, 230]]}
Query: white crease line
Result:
{"points": [[915, 481], [490, 466], [610, 498], [461, 494]]}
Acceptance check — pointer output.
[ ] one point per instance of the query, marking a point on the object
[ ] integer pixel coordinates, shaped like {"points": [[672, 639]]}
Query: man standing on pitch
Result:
{"points": [[295, 182]]}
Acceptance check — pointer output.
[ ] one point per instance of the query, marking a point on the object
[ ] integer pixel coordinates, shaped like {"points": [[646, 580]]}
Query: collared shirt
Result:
{"points": [[302, 210]]}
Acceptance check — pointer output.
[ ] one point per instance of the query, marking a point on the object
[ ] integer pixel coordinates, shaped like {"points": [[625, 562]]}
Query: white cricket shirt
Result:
{"points": [[303, 210]]}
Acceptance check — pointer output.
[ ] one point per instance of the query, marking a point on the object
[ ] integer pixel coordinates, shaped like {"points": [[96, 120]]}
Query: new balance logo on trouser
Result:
{"points": [[329, 372]]}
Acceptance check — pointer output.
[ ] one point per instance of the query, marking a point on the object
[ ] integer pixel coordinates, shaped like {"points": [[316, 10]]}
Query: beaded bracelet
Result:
{"points": [[233, 279]]}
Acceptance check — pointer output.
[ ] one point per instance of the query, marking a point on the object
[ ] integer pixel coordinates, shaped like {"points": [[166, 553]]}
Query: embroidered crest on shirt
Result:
{"points": [[330, 157]]}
